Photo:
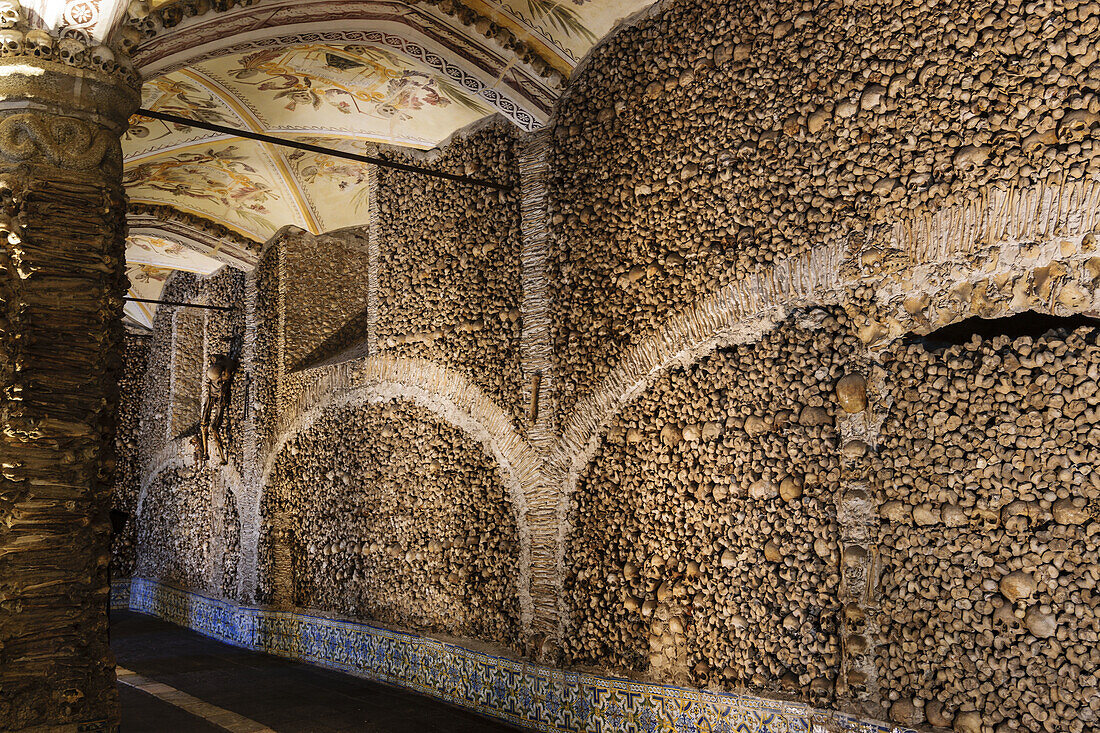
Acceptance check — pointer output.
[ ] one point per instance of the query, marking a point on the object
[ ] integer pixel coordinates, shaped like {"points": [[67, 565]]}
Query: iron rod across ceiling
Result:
{"points": [[260, 137], [182, 305]]}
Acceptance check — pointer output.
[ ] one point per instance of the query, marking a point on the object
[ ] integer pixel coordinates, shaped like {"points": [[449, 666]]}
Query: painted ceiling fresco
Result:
{"points": [[344, 97], [328, 91], [146, 281]]}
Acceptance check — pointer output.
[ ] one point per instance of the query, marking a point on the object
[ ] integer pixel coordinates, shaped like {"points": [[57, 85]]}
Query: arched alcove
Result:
{"points": [[703, 539], [378, 509]]}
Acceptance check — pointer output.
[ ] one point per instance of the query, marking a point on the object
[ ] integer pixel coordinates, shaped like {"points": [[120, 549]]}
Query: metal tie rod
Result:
{"points": [[182, 305], [260, 137]]}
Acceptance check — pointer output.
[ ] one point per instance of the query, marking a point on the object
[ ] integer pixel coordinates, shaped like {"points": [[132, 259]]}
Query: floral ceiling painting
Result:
{"points": [[146, 282], [368, 92], [143, 249], [346, 97], [227, 181], [325, 178]]}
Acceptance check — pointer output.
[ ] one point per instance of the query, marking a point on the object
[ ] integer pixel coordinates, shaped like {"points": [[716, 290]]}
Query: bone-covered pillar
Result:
{"points": [[63, 108]]}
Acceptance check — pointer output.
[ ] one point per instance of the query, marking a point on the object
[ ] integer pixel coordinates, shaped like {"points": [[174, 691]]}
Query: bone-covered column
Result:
{"points": [[62, 280]]}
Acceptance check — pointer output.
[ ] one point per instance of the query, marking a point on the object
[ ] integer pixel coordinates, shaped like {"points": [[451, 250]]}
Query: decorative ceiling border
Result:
{"points": [[546, 62], [203, 235], [238, 29]]}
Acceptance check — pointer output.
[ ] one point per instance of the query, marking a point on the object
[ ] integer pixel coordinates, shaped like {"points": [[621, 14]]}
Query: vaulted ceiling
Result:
{"points": [[346, 74]]}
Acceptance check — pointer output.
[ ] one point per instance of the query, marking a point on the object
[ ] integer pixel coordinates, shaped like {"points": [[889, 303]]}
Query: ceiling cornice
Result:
{"points": [[203, 235]]}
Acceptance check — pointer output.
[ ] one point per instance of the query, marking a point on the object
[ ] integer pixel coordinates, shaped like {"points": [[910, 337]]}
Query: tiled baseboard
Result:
{"points": [[525, 694]]}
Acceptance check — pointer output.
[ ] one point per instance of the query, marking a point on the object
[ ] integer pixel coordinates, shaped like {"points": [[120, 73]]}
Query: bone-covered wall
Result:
{"points": [[710, 139], [266, 337], [156, 399], [389, 513], [322, 320], [224, 334], [449, 267], [703, 546], [185, 535], [990, 562], [230, 546], [771, 466], [175, 523]]}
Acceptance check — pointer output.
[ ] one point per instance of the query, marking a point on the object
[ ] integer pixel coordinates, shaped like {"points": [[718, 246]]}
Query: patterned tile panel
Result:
{"points": [[120, 594], [521, 693]]}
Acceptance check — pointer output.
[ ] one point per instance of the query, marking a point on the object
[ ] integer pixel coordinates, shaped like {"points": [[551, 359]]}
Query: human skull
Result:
{"points": [[1075, 125], [1004, 620], [971, 157], [125, 67], [138, 10], [40, 43], [196, 7], [128, 38], [10, 13], [71, 51], [1036, 142], [220, 369], [11, 42], [10, 230], [917, 182], [103, 59]]}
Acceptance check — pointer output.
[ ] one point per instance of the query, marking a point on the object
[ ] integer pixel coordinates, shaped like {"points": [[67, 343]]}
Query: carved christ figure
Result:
{"points": [[219, 377]]}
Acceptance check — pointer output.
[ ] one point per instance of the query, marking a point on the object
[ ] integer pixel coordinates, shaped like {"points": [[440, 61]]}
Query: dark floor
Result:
{"points": [[280, 694]]}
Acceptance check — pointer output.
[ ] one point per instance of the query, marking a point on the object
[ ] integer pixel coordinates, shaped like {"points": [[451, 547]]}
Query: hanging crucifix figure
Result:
{"points": [[219, 378]]}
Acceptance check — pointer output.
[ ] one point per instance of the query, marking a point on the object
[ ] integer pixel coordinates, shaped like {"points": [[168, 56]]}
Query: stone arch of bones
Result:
{"points": [[1043, 262]]}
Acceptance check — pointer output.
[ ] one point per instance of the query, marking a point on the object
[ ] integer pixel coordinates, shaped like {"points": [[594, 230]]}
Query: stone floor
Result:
{"points": [[173, 680]]}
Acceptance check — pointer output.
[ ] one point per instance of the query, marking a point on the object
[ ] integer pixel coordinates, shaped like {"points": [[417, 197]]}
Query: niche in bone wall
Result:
{"points": [[711, 139], [127, 483], [322, 319], [174, 529], [703, 547], [989, 534], [385, 513], [450, 272]]}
